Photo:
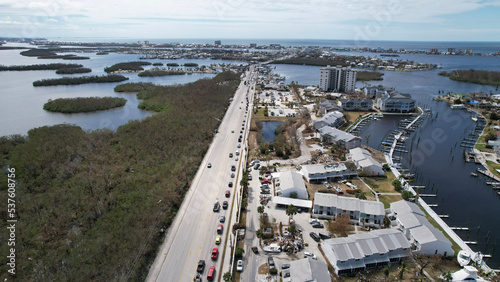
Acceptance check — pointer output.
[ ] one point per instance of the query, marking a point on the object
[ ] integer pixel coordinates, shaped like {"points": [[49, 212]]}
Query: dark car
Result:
{"points": [[233, 168], [314, 236], [230, 155], [216, 207], [225, 205], [255, 250], [230, 184], [270, 261], [317, 225], [201, 266]]}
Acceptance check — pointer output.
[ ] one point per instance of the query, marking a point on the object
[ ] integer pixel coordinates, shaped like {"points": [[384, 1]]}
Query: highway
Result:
{"points": [[191, 236]]}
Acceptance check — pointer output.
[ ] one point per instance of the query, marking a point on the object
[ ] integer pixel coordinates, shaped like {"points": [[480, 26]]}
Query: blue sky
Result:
{"points": [[419, 20]]}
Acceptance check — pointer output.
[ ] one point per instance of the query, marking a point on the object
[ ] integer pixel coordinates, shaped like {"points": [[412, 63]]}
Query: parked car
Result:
{"points": [[239, 266], [311, 255], [317, 225], [270, 261], [255, 250], [201, 266], [215, 253], [249, 177], [315, 236], [256, 167], [225, 205], [285, 266], [222, 218], [220, 227]]}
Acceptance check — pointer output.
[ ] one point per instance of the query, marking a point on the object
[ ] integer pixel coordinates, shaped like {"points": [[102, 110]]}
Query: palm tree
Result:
{"points": [[291, 210], [447, 276], [361, 195], [260, 209]]}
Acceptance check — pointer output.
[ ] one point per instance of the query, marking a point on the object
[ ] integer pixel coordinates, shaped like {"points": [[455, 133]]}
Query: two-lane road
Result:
{"points": [[192, 235]]}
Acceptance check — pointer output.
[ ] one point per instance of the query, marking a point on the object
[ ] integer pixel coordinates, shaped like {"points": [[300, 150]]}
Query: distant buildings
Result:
{"points": [[290, 182], [413, 223], [338, 78], [362, 212], [217, 43], [332, 135], [332, 119], [317, 173], [365, 162], [356, 104], [360, 252]]}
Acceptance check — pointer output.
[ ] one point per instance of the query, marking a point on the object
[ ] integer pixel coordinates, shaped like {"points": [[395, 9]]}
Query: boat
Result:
{"points": [[273, 248], [463, 258], [474, 118], [473, 174]]}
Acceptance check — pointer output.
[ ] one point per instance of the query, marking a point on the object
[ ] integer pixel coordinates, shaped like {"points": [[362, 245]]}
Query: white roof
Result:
{"points": [[323, 169], [291, 179], [337, 134], [308, 269], [403, 206], [349, 203], [363, 158], [290, 201]]}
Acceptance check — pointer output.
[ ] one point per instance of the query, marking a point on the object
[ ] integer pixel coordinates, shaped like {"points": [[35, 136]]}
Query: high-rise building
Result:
{"points": [[217, 43], [342, 79]]}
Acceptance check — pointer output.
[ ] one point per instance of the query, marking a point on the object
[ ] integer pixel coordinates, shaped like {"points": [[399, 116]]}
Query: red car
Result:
{"points": [[211, 273], [228, 193], [215, 253], [219, 229]]}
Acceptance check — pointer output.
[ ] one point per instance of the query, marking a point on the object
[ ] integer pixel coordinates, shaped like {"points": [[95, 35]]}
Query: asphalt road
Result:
{"points": [[192, 235]]}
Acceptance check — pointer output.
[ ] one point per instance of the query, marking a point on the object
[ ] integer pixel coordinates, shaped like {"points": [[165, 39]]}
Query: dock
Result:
{"points": [[427, 195], [460, 228], [443, 215]]}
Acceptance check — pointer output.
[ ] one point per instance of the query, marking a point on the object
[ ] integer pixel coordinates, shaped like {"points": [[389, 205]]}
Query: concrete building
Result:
{"points": [[307, 269], [336, 136], [364, 251], [362, 212], [356, 104], [290, 182], [364, 162], [338, 78], [426, 238], [394, 101], [332, 119], [317, 173]]}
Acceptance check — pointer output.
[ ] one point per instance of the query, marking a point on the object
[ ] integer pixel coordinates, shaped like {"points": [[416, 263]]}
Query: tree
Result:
{"points": [[402, 270], [291, 210], [386, 167], [387, 222], [259, 233], [227, 277], [260, 209], [386, 272], [292, 229], [340, 225], [406, 195], [294, 195], [361, 195], [238, 252], [447, 276]]}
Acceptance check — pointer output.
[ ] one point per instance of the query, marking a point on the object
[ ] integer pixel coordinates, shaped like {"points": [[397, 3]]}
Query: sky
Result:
{"points": [[405, 20]]}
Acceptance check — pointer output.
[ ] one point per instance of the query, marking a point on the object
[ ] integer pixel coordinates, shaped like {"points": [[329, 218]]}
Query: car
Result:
{"points": [[209, 165], [317, 225], [311, 255], [232, 131], [216, 207], [270, 261], [232, 175], [249, 177], [211, 273], [313, 220], [285, 266], [220, 228], [255, 250], [230, 155], [239, 140], [230, 184], [237, 152], [201, 266], [215, 253], [217, 240], [222, 218], [228, 193], [256, 167], [314, 236], [239, 146], [225, 205], [236, 159], [233, 168], [239, 266]]}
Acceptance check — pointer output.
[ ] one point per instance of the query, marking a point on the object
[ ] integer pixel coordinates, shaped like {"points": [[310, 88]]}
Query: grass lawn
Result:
{"points": [[381, 185], [492, 166], [481, 143], [351, 116], [388, 199]]}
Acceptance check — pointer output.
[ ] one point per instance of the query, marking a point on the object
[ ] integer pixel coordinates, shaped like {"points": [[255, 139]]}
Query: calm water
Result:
{"points": [[21, 104], [268, 128], [438, 162]]}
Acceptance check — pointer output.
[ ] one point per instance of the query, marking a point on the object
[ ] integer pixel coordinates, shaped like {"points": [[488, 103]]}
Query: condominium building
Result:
{"points": [[342, 79]]}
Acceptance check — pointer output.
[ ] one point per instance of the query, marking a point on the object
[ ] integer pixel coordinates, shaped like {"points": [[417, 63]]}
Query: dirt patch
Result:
{"points": [[252, 141], [263, 269], [377, 155]]}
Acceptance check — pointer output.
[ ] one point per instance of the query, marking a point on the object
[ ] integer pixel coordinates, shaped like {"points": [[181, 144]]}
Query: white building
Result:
{"points": [[290, 182], [426, 238], [307, 269], [332, 119], [364, 162], [317, 173], [393, 101], [339, 137], [338, 78], [363, 212], [363, 251]]}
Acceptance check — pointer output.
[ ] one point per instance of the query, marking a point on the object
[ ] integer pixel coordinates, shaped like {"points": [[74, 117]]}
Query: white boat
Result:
{"points": [[463, 258], [474, 118], [273, 248]]}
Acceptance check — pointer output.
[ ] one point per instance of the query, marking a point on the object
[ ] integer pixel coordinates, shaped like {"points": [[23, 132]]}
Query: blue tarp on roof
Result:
{"points": [[473, 102]]}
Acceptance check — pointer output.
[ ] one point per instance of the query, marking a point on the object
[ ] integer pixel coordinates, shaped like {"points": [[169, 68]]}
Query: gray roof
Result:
{"points": [[403, 206], [337, 134], [359, 246], [355, 100], [349, 203], [308, 269], [330, 118], [291, 179], [328, 105], [397, 96]]}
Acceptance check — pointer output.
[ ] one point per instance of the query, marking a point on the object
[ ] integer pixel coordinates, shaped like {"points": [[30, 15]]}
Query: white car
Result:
{"points": [[239, 266], [308, 254]]}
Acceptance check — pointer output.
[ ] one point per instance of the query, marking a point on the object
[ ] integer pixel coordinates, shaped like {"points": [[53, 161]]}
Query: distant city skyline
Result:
{"points": [[401, 20]]}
